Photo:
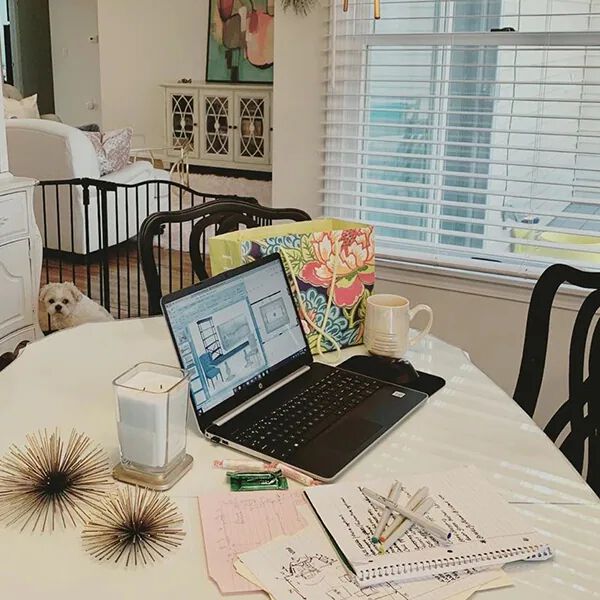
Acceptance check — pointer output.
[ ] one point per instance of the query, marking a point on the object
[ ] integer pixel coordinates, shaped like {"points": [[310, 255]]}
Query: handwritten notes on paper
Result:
{"points": [[358, 516], [305, 567], [236, 523], [485, 529]]}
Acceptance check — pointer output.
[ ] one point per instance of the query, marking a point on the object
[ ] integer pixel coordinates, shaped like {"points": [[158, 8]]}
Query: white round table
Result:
{"points": [[65, 380]]}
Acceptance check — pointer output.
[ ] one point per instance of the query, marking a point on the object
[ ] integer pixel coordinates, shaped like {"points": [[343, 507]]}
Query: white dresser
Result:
{"points": [[227, 126], [20, 264]]}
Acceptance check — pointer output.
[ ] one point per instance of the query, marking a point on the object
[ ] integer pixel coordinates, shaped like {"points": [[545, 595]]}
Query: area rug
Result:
{"points": [[214, 184]]}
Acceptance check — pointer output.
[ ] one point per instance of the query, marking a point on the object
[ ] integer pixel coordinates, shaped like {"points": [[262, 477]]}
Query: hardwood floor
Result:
{"points": [[128, 297]]}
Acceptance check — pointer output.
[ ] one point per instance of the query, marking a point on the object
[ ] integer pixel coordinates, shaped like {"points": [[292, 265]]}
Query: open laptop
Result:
{"points": [[254, 384]]}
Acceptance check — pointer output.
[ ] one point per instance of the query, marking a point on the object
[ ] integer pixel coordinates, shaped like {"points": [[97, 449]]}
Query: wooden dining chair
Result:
{"points": [[578, 419], [212, 218]]}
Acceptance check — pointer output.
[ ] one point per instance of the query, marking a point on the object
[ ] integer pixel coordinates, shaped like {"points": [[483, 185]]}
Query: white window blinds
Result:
{"points": [[467, 146]]}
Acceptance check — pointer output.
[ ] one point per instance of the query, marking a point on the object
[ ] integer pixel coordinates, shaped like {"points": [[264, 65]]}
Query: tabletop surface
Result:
{"points": [[65, 380]]}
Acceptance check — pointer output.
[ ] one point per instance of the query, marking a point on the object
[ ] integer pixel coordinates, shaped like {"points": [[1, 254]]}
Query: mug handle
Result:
{"points": [[412, 313]]}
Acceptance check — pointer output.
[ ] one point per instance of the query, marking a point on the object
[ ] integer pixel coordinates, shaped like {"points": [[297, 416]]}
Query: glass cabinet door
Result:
{"points": [[252, 124], [217, 126], [182, 120]]}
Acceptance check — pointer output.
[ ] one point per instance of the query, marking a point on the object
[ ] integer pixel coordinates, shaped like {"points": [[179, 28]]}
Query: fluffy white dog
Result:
{"points": [[68, 306]]}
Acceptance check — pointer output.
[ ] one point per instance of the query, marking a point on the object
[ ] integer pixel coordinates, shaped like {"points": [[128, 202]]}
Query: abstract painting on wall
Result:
{"points": [[240, 41]]}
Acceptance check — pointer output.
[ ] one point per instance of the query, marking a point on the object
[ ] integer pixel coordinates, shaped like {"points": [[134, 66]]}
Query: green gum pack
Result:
{"points": [[250, 482]]}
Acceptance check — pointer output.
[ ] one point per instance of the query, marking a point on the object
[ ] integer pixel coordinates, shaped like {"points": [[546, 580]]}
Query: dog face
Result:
{"points": [[60, 298]]}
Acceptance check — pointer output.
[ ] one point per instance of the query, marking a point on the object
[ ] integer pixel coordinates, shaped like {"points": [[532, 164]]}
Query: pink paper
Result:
{"points": [[234, 523]]}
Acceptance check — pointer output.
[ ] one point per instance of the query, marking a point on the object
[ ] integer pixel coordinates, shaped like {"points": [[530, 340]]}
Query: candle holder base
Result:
{"points": [[154, 481]]}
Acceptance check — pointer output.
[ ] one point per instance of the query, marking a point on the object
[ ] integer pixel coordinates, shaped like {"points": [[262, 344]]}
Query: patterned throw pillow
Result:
{"points": [[21, 109], [112, 148]]}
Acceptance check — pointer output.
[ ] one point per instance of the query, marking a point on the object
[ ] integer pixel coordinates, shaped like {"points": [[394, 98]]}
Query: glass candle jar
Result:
{"points": [[152, 401]]}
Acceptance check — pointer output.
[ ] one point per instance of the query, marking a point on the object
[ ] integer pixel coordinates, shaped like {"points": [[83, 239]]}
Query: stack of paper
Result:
{"points": [[274, 542], [234, 523], [305, 566], [486, 532]]}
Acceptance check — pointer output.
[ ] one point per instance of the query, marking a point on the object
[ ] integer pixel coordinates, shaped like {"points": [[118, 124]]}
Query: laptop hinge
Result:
{"points": [[258, 397]]}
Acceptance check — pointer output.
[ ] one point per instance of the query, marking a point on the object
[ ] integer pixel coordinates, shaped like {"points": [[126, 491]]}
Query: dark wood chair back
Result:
{"points": [[213, 218], [579, 416]]}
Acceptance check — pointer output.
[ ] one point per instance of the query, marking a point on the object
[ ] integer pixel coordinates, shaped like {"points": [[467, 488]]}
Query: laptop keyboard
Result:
{"points": [[304, 416]]}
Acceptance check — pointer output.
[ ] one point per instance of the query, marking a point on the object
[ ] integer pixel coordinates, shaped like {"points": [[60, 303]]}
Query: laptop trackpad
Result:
{"points": [[350, 434]]}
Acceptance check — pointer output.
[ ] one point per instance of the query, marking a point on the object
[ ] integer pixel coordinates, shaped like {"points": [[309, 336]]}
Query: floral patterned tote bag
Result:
{"points": [[331, 267]]}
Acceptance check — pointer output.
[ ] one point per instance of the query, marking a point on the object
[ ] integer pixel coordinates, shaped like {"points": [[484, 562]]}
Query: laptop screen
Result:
{"points": [[234, 333]]}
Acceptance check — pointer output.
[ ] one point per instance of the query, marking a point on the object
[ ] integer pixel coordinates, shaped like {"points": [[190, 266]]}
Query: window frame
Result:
{"points": [[486, 266]]}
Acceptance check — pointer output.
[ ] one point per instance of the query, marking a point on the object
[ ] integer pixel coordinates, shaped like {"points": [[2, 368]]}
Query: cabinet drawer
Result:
{"points": [[16, 308], [13, 217]]}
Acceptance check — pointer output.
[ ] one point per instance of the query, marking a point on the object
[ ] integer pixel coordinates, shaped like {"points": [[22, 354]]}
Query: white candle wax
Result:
{"points": [[151, 381], [143, 418]]}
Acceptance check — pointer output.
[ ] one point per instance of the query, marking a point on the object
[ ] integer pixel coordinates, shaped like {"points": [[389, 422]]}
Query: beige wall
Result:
{"points": [[487, 321], [296, 105], [142, 44], [75, 60]]}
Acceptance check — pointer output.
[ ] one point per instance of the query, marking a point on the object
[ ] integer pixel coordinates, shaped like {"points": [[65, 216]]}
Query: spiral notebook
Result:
{"points": [[487, 531]]}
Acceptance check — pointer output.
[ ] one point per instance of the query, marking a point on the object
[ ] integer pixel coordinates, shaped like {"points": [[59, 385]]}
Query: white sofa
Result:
{"points": [[49, 151]]}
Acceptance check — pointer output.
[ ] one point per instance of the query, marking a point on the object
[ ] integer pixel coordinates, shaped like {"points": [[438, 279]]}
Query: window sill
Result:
{"points": [[491, 285]]}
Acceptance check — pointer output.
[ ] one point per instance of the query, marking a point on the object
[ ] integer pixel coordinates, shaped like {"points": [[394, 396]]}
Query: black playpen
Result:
{"points": [[89, 231]]}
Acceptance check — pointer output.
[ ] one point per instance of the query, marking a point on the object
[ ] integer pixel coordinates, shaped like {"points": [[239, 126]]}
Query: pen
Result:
{"points": [[433, 528], [421, 509], [241, 465], [412, 504], [386, 513]]}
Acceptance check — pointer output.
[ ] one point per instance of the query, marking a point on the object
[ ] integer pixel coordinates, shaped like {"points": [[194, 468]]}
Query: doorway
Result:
{"points": [[27, 49]]}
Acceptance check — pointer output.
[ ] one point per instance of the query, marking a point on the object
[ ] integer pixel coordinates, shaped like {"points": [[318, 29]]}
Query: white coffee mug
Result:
{"points": [[387, 325]]}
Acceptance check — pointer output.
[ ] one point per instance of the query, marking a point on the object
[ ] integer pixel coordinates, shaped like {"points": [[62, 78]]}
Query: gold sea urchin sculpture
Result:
{"points": [[134, 525], [51, 480]]}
